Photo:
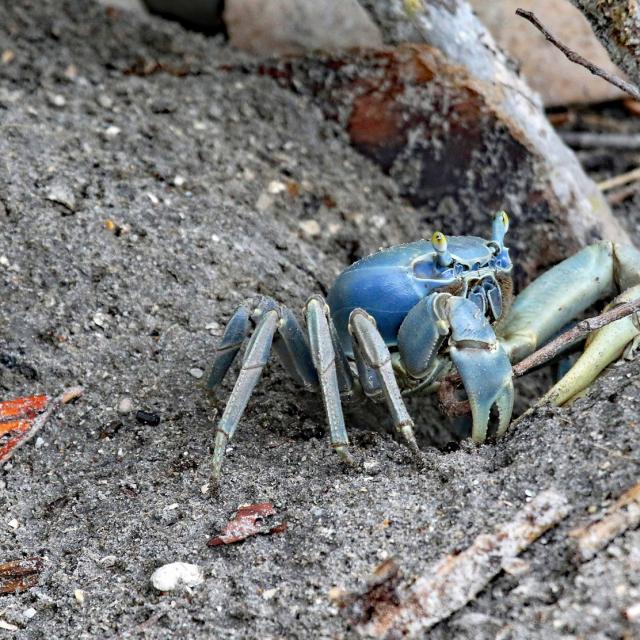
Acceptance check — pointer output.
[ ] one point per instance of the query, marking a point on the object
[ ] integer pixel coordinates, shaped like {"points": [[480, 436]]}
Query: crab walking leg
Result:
{"points": [[234, 335], [561, 294], [290, 345], [255, 358], [324, 358], [376, 354], [602, 348], [293, 349]]}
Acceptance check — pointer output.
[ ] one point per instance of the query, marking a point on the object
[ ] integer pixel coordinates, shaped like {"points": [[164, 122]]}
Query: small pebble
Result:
{"points": [[111, 132], [264, 202], [310, 227], [39, 442], [269, 593], [7, 626], [632, 613], [104, 101], [275, 187], [176, 574], [13, 523], [125, 406], [179, 181], [56, 100], [61, 194], [29, 613], [100, 319], [79, 595], [146, 417], [196, 373], [108, 561]]}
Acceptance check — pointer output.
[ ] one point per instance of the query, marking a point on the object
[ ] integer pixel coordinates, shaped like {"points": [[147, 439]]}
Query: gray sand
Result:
{"points": [[182, 164]]}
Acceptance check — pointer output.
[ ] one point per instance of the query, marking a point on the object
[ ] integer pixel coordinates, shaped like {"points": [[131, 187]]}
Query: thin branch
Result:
{"points": [[620, 180], [616, 81], [591, 140], [451, 406], [566, 339]]}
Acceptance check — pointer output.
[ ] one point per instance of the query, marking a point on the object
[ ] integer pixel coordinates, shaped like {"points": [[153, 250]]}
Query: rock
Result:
{"points": [[196, 372], [267, 27], [459, 147], [547, 70], [125, 406], [176, 575], [61, 194], [310, 227]]}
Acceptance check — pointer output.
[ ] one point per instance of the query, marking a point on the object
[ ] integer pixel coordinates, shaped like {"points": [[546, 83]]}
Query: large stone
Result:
{"points": [[558, 80], [268, 27], [456, 153]]}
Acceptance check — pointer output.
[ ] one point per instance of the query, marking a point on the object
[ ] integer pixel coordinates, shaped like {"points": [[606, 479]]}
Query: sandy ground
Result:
{"points": [[181, 164]]}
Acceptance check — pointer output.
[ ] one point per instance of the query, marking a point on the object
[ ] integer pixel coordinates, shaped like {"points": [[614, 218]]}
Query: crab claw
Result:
{"points": [[482, 364]]}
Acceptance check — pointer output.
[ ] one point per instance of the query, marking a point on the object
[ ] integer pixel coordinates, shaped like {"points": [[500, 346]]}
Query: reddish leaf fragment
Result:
{"points": [[22, 418], [19, 575], [248, 521], [28, 407]]}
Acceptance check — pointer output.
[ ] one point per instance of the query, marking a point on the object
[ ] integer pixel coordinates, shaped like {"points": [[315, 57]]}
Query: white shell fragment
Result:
{"points": [[176, 575]]}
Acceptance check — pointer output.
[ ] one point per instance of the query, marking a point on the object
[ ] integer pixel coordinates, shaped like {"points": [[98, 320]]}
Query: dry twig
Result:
{"points": [[409, 610], [620, 180], [616, 81], [622, 515], [591, 140], [568, 338]]}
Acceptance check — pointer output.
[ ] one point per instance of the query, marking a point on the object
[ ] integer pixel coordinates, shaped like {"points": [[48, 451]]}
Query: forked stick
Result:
{"points": [[613, 79]]}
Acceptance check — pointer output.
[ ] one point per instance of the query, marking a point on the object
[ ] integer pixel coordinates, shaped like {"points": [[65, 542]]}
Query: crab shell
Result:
{"points": [[389, 283]]}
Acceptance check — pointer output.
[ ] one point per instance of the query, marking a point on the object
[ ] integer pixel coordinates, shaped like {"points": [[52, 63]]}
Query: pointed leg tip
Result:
{"points": [[345, 456]]}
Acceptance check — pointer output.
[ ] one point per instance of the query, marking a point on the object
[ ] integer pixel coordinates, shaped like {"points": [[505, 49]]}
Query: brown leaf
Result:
{"points": [[19, 575], [248, 521]]}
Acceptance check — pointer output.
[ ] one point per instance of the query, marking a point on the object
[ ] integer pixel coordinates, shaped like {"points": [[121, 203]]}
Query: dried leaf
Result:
{"points": [[248, 521], [22, 418], [19, 575]]}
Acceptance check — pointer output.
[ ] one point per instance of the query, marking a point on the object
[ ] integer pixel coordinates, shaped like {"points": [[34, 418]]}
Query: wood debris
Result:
{"points": [[392, 607], [22, 418], [19, 575], [624, 514], [249, 520]]}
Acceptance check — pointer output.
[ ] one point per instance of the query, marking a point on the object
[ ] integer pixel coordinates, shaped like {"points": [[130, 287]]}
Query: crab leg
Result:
{"points": [[234, 335], [602, 348], [376, 354], [255, 358], [324, 359], [290, 344], [562, 294]]}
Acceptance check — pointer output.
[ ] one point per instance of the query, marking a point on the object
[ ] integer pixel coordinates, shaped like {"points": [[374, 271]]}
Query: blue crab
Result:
{"points": [[400, 320]]}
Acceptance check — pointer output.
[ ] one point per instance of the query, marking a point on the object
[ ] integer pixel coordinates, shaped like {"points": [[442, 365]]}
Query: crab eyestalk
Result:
{"points": [[500, 227], [439, 243]]}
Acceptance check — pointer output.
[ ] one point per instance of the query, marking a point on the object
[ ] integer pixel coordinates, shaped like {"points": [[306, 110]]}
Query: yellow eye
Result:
{"points": [[412, 6], [439, 241]]}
